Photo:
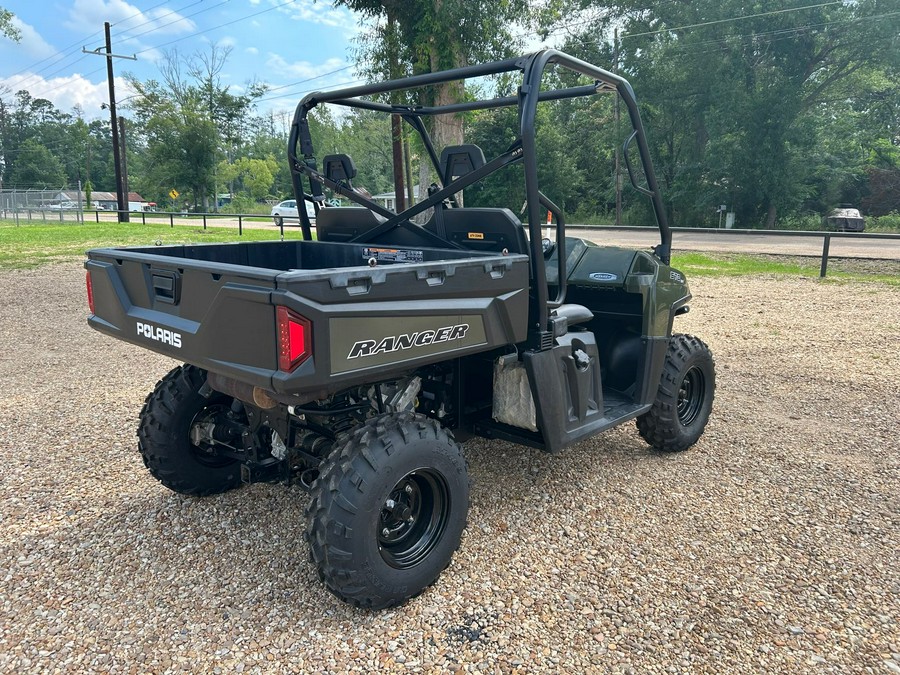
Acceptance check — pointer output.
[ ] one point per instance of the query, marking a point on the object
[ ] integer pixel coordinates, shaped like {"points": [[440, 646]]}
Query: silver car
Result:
{"points": [[287, 211]]}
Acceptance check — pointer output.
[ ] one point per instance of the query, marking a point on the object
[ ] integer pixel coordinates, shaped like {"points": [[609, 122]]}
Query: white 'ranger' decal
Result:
{"points": [[394, 343]]}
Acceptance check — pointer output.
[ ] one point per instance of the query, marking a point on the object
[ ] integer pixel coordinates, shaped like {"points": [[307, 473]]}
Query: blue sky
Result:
{"points": [[283, 43]]}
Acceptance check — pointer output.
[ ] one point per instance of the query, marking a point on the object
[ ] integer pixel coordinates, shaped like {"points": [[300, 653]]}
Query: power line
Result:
{"points": [[44, 93], [221, 25], [734, 18], [178, 20], [308, 79], [64, 56], [68, 50], [150, 9], [294, 94], [780, 33]]}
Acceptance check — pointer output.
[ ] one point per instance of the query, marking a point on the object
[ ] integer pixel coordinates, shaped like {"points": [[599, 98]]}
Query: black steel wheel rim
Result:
{"points": [[691, 395], [413, 518]]}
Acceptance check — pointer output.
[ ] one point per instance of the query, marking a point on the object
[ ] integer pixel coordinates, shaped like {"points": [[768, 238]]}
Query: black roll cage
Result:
{"points": [[532, 67]]}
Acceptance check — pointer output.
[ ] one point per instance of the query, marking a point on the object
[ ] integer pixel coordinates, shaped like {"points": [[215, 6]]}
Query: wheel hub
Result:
{"points": [[691, 395], [413, 518], [212, 421]]}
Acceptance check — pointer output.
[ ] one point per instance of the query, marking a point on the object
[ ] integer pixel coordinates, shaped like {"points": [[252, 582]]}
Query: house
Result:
{"points": [[386, 199], [104, 201]]}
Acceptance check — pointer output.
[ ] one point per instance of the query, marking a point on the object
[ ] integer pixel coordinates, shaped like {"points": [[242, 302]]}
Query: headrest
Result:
{"points": [[338, 168], [458, 160]]}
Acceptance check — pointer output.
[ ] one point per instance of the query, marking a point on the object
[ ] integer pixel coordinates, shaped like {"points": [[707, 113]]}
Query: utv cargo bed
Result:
{"points": [[354, 309]]}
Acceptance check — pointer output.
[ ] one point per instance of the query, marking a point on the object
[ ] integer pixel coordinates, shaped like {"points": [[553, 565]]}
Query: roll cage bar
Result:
{"points": [[302, 159]]}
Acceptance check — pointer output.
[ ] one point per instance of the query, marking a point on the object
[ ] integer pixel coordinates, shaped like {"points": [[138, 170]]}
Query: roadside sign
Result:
{"points": [[173, 193]]}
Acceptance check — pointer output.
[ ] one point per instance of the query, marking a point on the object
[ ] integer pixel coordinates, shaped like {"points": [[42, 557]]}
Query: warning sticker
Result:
{"points": [[393, 255], [476, 235]]}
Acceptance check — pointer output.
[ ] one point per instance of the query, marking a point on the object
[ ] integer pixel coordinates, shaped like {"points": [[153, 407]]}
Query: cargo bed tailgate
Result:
{"points": [[216, 316]]}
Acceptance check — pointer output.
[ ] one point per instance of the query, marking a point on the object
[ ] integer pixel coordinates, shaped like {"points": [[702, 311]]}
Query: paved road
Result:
{"points": [[718, 241], [714, 241]]}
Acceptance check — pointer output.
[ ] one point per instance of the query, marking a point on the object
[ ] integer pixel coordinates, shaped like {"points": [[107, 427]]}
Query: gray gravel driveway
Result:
{"points": [[771, 546]]}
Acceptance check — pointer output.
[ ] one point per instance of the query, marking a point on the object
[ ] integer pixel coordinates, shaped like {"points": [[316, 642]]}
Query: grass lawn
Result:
{"points": [[36, 244], [718, 265]]}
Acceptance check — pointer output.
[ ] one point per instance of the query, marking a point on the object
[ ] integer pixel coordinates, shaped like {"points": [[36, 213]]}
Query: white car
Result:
{"points": [[287, 211], [63, 205]]}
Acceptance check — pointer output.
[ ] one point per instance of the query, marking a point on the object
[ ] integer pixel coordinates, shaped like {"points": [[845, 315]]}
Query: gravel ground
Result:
{"points": [[771, 546]]}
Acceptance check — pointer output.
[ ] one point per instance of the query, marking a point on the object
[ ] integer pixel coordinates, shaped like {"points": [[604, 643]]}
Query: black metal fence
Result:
{"points": [[826, 237], [61, 215]]}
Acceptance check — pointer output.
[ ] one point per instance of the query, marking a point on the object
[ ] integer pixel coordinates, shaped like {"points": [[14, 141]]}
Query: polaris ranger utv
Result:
{"points": [[356, 362]]}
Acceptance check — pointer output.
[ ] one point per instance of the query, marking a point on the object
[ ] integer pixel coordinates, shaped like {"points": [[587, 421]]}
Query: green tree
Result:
{"points": [[737, 99], [255, 176], [36, 166], [6, 26], [424, 36], [187, 123]]}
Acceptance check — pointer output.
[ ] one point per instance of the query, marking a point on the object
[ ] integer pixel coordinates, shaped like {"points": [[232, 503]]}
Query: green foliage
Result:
{"points": [[770, 115], [256, 176], [887, 223], [84, 149], [781, 117], [7, 28], [36, 166], [188, 123]]}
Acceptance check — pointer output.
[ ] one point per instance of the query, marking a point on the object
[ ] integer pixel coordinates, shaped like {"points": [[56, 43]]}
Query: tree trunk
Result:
{"points": [[770, 216], [424, 182]]}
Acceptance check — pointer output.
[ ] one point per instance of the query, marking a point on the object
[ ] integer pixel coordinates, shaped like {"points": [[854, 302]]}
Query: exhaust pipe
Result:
{"points": [[261, 398]]}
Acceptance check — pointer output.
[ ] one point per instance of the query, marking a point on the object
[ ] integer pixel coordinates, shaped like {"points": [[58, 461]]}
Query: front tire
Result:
{"points": [[684, 399], [164, 435], [388, 510], [278, 221]]}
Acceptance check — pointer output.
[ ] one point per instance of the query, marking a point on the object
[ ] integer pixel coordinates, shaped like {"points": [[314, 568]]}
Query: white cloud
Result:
{"points": [[253, 51], [129, 23], [319, 11], [32, 43], [302, 69], [67, 92]]}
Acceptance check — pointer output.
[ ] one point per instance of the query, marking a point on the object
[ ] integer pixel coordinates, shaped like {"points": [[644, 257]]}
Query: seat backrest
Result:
{"points": [[338, 168], [482, 229], [458, 160], [339, 223], [346, 223]]}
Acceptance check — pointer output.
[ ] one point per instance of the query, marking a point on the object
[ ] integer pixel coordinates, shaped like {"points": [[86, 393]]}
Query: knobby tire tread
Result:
{"points": [[356, 462], [660, 426], [158, 413]]}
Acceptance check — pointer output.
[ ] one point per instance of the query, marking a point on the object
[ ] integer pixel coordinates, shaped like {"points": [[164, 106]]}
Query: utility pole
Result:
{"points": [[121, 195], [123, 145]]}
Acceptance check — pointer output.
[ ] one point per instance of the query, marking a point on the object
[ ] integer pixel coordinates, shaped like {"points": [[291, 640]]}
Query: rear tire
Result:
{"points": [[684, 399], [164, 435], [278, 220], [388, 510]]}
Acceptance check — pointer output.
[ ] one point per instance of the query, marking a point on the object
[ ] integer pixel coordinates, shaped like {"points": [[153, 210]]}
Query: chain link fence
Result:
{"points": [[42, 204]]}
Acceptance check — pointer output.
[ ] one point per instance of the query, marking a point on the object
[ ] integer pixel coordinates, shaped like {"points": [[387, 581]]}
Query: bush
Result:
{"points": [[245, 204], [888, 223], [809, 222]]}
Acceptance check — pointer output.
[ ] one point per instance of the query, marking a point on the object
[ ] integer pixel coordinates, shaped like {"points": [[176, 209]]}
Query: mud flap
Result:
{"points": [[565, 383]]}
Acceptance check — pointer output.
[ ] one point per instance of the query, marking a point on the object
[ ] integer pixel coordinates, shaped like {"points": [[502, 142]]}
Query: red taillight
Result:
{"points": [[90, 292], [294, 339]]}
